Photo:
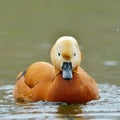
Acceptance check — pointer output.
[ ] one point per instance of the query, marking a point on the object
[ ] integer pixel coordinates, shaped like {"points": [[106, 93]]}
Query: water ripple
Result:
{"points": [[107, 105]]}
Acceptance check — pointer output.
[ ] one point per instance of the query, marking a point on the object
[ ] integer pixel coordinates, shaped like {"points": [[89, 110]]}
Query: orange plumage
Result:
{"points": [[64, 81]]}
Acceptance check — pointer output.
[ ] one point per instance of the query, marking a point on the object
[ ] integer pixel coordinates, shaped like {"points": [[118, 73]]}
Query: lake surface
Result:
{"points": [[28, 29], [107, 107]]}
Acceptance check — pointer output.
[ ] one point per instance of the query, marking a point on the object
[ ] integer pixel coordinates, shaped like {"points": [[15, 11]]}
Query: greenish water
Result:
{"points": [[28, 30]]}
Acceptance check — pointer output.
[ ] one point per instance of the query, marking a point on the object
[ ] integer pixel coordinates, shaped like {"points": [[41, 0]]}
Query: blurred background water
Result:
{"points": [[28, 29]]}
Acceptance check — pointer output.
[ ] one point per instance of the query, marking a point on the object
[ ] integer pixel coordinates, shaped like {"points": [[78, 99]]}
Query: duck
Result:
{"points": [[62, 81]]}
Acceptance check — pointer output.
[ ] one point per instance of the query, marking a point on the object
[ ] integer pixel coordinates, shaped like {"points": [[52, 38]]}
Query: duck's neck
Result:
{"points": [[58, 71], [76, 70]]}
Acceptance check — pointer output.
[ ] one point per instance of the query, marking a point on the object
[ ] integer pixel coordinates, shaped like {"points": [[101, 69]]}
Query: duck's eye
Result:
{"points": [[58, 54], [74, 54]]}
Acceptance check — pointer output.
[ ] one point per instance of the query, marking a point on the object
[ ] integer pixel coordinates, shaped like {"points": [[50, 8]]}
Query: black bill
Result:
{"points": [[67, 70]]}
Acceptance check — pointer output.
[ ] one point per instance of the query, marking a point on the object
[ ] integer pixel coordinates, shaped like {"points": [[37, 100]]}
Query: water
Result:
{"points": [[109, 98], [28, 30]]}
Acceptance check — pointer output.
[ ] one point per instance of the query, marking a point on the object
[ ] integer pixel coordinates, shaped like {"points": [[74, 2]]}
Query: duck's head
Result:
{"points": [[66, 56]]}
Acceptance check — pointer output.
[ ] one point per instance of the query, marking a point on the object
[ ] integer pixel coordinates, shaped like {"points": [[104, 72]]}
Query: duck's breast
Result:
{"points": [[80, 89]]}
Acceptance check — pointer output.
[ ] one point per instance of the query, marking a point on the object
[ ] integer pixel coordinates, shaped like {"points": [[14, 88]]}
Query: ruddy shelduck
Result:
{"points": [[64, 81]]}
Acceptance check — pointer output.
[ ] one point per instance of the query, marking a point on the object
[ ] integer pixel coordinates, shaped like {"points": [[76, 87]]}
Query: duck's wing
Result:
{"points": [[33, 83]]}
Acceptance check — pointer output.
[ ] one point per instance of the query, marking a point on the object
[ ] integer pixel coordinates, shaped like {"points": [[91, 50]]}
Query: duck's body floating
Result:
{"points": [[64, 81]]}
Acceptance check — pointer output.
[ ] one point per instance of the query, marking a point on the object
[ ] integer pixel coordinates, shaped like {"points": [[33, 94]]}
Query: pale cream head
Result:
{"points": [[66, 49]]}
